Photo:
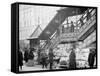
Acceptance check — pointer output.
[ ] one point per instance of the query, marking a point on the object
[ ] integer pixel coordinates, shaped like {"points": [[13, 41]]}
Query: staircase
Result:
{"points": [[55, 42], [75, 36], [91, 22]]}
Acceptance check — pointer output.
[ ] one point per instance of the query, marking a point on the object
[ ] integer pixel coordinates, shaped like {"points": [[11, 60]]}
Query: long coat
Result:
{"points": [[31, 55], [72, 28], [91, 59], [44, 58], [20, 58], [51, 55], [72, 60], [26, 56]]}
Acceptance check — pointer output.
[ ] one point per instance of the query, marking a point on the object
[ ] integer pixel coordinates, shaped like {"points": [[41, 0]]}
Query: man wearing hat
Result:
{"points": [[91, 57]]}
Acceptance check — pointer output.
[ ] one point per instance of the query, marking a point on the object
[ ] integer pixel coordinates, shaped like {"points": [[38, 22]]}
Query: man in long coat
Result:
{"points": [[72, 60], [44, 59], [51, 55], [26, 56], [20, 59], [91, 58]]}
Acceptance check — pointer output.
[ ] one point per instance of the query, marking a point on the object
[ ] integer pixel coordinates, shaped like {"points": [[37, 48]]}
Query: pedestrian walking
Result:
{"points": [[51, 55], [72, 60], [31, 55], [26, 55], [20, 59], [72, 27], [88, 15], [91, 58], [44, 59]]}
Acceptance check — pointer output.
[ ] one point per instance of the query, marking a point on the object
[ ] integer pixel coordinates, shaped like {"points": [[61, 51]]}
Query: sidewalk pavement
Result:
{"points": [[33, 68]]}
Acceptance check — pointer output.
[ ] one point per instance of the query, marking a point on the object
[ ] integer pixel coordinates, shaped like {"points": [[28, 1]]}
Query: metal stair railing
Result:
{"points": [[87, 25], [83, 28], [73, 36]]}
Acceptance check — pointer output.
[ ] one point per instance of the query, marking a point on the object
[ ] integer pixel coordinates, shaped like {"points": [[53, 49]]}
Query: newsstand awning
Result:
{"points": [[36, 33]]}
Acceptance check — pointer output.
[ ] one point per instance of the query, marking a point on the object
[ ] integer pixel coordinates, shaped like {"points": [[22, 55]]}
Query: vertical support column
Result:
{"points": [[39, 52]]}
